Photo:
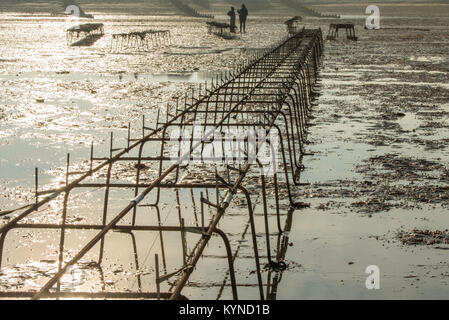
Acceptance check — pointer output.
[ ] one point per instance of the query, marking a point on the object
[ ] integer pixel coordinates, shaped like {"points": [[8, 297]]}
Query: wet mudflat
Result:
{"points": [[379, 188], [379, 180]]}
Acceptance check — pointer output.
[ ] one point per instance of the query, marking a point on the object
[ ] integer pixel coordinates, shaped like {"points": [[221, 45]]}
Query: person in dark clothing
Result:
{"points": [[232, 23], [243, 14]]}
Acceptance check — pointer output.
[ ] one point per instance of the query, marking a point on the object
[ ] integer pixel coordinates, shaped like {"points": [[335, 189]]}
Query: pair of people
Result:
{"points": [[243, 14]]}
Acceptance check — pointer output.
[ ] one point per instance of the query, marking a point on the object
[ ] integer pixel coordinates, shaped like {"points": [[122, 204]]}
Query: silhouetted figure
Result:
{"points": [[243, 14], [232, 23]]}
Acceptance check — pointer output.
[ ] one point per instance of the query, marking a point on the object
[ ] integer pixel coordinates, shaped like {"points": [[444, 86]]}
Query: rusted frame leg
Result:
{"points": [[254, 239], [105, 209]]}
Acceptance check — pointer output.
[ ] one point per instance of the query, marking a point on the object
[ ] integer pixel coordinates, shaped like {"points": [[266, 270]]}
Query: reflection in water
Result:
{"points": [[409, 122]]}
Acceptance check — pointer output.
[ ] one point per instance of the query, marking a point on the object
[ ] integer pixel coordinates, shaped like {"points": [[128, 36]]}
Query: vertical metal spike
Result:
{"points": [[111, 145], [217, 191], [202, 214], [184, 243], [91, 156], [67, 170], [129, 133], [36, 181], [166, 117]]}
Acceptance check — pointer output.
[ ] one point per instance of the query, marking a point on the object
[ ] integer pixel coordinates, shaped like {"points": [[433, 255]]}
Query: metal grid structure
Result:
{"points": [[140, 40], [349, 29], [84, 34], [273, 90], [220, 29]]}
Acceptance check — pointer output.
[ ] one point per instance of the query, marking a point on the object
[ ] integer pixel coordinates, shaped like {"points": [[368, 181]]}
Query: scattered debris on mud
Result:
{"points": [[424, 237]]}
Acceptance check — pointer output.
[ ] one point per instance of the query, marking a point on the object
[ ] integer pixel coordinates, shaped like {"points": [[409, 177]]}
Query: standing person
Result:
{"points": [[243, 14], [232, 15]]}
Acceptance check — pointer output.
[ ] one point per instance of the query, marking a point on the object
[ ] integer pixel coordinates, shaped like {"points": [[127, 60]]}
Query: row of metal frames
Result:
{"points": [[272, 90]]}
